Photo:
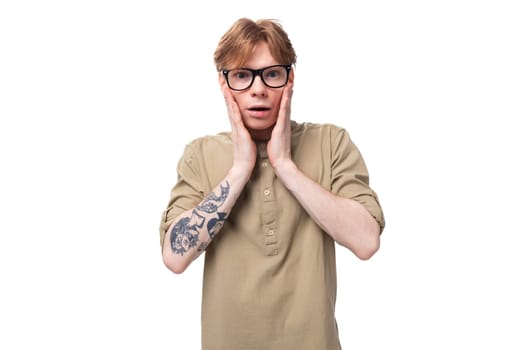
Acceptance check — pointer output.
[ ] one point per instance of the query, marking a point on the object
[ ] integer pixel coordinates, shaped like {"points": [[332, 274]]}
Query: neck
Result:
{"points": [[261, 135]]}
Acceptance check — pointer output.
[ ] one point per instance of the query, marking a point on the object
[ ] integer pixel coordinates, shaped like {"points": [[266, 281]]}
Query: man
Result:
{"points": [[266, 202]]}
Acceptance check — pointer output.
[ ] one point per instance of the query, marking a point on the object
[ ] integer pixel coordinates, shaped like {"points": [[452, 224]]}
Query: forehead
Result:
{"points": [[260, 57]]}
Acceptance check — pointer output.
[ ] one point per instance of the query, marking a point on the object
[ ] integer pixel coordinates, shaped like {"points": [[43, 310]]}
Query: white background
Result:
{"points": [[98, 99]]}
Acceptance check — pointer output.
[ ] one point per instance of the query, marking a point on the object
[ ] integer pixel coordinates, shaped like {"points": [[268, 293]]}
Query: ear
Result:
{"points": [[221, 79], [291, 76]]}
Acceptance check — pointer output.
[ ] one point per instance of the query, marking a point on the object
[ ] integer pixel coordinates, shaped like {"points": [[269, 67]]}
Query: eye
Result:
{"points": [[240, 74], [274, 73]]}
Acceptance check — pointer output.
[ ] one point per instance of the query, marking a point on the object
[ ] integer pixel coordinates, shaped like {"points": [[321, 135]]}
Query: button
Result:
{"points": [[270, 240], [272, 249], [271, 232], [267, 191], [264, 163]]}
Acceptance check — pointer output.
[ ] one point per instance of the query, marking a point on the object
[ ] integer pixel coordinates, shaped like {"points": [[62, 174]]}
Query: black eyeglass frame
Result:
{"points": [[258, 72]]}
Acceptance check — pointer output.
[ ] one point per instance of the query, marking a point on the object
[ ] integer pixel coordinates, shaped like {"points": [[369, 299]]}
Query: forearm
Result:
{"points": [[192, 231], [345, 220]]}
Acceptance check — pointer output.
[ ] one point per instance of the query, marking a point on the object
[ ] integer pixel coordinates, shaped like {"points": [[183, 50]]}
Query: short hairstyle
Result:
{"points": [[238, 43]]}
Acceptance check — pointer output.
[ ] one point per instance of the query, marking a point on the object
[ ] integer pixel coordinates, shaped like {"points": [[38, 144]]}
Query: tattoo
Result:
{"points": [[185, 233], [196, 220], [202, 247], [213, 202], [215, 224]]}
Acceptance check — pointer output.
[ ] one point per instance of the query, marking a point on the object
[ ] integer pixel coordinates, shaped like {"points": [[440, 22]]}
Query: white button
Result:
{"points": [[270, 233], [267, 192], [264, 163]]}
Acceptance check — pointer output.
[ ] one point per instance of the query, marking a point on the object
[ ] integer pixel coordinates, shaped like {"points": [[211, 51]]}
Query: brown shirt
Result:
{"points": [[270, 274]]}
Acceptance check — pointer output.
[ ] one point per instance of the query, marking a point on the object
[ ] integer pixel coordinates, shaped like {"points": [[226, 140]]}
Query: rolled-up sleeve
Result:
{"points": [[350, 177], [186, 193]]}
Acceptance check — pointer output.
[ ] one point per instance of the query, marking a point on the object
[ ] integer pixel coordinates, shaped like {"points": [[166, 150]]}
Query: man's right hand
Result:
{"points": [[244, 149]]}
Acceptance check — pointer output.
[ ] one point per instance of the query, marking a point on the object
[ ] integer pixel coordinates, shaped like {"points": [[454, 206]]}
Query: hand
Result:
{"points": [[244, 149], [279, 146]]}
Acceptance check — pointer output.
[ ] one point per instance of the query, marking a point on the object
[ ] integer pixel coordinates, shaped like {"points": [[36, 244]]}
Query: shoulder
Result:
{"points": [[209, 143], [316, 128], [207, 160], [329, 139], [322, 131]]}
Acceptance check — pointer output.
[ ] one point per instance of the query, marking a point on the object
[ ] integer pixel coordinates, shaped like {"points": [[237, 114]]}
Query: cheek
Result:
{"points": [[238, 97], [276, 101]]}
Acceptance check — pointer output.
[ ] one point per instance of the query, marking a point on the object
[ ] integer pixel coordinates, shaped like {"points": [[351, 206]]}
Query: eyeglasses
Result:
{"points": [[275, 76]]}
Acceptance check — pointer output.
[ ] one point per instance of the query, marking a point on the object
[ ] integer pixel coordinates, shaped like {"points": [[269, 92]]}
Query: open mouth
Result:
{"points": [[259, 109]]}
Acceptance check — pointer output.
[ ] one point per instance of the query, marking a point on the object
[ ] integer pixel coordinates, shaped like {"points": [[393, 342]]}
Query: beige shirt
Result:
{"points": [[270, 274]]}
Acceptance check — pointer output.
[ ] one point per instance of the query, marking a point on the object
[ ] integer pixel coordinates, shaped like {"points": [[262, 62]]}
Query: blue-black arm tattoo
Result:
{"points": [[202, 247], [213, 202], [215, 224], [185, 234]]}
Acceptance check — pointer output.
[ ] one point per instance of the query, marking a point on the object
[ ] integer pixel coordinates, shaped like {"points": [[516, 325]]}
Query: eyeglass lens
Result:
{"points": [[241, 79]]}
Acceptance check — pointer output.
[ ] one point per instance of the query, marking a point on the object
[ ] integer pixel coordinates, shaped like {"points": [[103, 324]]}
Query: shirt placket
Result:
{"points": [[269, 211]]}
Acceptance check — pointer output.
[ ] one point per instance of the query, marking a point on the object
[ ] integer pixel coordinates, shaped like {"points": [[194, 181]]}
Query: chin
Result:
{"points": [[259, 123], [260, 131]]}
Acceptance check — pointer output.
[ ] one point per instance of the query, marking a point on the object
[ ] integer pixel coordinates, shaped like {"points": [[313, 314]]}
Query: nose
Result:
{"points": [[258, 87]]}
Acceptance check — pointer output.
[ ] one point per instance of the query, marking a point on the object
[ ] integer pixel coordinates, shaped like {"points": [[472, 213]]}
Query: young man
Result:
{"points": [[266, 202]]}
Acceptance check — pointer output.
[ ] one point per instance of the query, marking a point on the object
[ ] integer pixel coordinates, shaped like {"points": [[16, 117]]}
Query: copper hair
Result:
{"points": [[237, 44]]}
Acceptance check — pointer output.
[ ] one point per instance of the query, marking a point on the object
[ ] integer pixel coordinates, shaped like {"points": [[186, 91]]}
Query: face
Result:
{"points": [[259, 104]]}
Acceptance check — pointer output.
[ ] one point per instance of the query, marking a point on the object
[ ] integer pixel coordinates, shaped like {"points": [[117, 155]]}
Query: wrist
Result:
{"points": [[240, 173], [285, 169]]}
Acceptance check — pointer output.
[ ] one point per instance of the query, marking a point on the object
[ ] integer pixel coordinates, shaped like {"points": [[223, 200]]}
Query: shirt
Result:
{"points": [[270, 274]]}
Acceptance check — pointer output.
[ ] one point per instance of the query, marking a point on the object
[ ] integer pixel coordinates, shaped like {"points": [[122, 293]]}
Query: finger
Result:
{"points": [[234, 113], [286, 101], [285, 107], [287, 97], [228, 98]]}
